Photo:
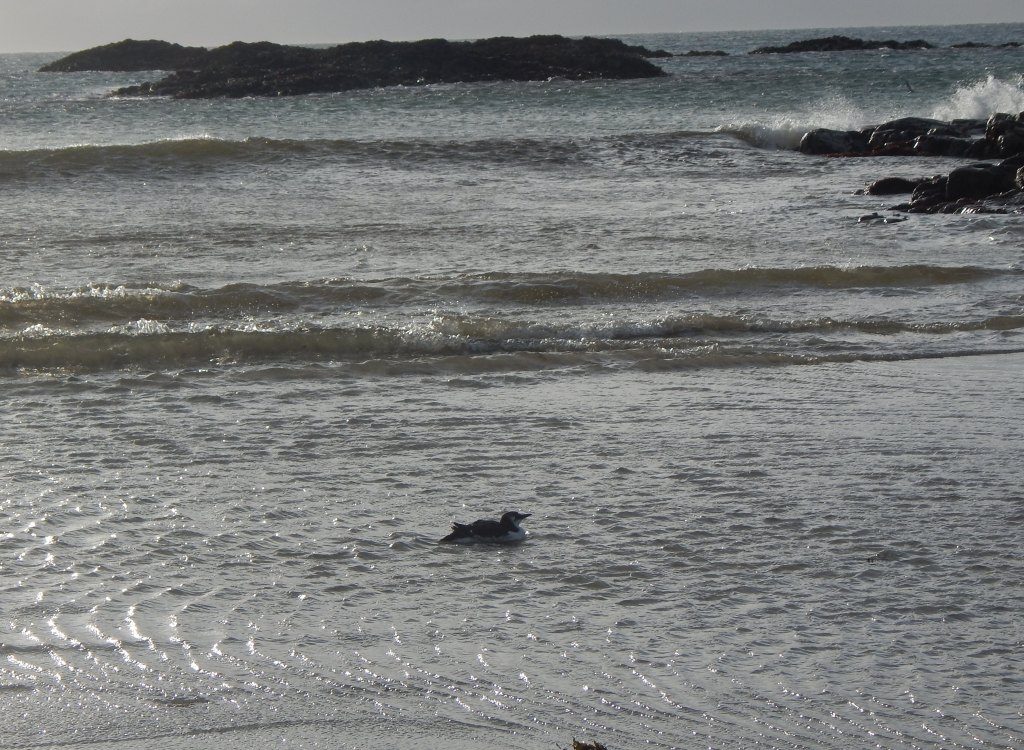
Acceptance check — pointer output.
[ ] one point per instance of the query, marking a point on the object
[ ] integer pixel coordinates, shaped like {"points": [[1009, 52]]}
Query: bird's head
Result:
{"points": [[514, 517]]}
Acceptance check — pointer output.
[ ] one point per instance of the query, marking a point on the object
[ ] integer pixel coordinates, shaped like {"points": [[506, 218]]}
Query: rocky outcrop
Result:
{"points": [[705, 53], [267, 69], [911, 136], [128, 56], [984, 187], [978, 187], [841, 44]]}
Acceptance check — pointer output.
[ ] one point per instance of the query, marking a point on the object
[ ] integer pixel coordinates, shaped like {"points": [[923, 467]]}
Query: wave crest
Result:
{"points": [[474, 344], [200, 154], [107, 304]]}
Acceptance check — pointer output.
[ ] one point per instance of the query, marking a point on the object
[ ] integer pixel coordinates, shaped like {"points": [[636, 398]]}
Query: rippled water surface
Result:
{"points": [[745, 558], [256, 356]]}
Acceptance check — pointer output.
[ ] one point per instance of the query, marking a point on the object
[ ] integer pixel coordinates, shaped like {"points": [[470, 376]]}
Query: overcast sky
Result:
{"points": [[60, 25]]}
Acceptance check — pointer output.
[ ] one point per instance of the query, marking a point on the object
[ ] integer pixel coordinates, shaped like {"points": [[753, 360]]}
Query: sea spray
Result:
{"points": [[981, 99], [784, 131], [978, 100]]}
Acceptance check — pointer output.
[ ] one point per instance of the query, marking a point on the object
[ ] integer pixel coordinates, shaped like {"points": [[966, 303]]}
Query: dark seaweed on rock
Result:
{"points": [[267, 69]]}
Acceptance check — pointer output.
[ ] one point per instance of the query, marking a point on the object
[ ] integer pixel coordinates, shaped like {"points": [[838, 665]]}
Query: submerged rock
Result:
{"points": [[877, 218], [267, 69]]}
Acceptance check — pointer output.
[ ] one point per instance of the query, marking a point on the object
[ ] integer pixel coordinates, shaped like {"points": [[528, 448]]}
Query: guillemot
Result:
{"points": [[500, 532]]}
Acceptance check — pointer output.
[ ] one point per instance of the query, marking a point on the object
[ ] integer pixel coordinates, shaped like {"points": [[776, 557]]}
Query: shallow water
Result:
{"points": [[740, 557], [257, 355]]}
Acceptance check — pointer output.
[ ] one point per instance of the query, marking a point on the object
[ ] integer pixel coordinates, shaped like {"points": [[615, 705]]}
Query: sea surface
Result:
{"points": [[257, 355]]}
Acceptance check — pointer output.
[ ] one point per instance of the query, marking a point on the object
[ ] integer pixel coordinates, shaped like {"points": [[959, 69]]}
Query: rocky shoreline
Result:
{"points": [[978, 187]]}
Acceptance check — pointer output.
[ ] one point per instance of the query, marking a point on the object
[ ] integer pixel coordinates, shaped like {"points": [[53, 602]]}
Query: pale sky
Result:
{"points": [[66, 25]]}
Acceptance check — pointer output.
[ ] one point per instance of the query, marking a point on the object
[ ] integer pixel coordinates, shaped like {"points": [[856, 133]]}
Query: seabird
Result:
{"points": [[500, 532]]}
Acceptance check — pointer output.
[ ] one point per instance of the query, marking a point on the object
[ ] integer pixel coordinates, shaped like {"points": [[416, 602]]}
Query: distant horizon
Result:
{"points": [[562, 33], [52, 26]]}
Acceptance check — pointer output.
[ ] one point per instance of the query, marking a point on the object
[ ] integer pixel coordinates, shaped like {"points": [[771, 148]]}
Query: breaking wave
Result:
{"points": [[518, 343], [977, 100], [981, 99], [106, 303], [785, 131], [524, 320], [425, 352]]}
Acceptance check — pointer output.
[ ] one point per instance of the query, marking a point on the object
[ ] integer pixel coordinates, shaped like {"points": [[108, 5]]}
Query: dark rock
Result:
{"points": [[1011, 142], [705, 53], [893, 186], [929, 192], [998, 124], [1013, 163], [1019, 181], [941, 145], [978, 181], [907, 129], [266, 69], [595, 745], [877, 218], [841, 44], [983, 45], [825, 141], [966, 128], [130, 55], [653, 53], [982, 149]]}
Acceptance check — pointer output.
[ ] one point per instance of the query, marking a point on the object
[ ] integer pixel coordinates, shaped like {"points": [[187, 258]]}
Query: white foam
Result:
{"points": [[975, 101], [144, 326], [982, 99], [785, 131]]}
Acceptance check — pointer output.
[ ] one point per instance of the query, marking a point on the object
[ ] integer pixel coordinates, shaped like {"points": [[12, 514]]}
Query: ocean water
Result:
{"points": [[257, 355]]}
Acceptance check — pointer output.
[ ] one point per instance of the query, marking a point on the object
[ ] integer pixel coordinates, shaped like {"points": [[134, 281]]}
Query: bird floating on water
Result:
{"points": [[505, 531]]}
